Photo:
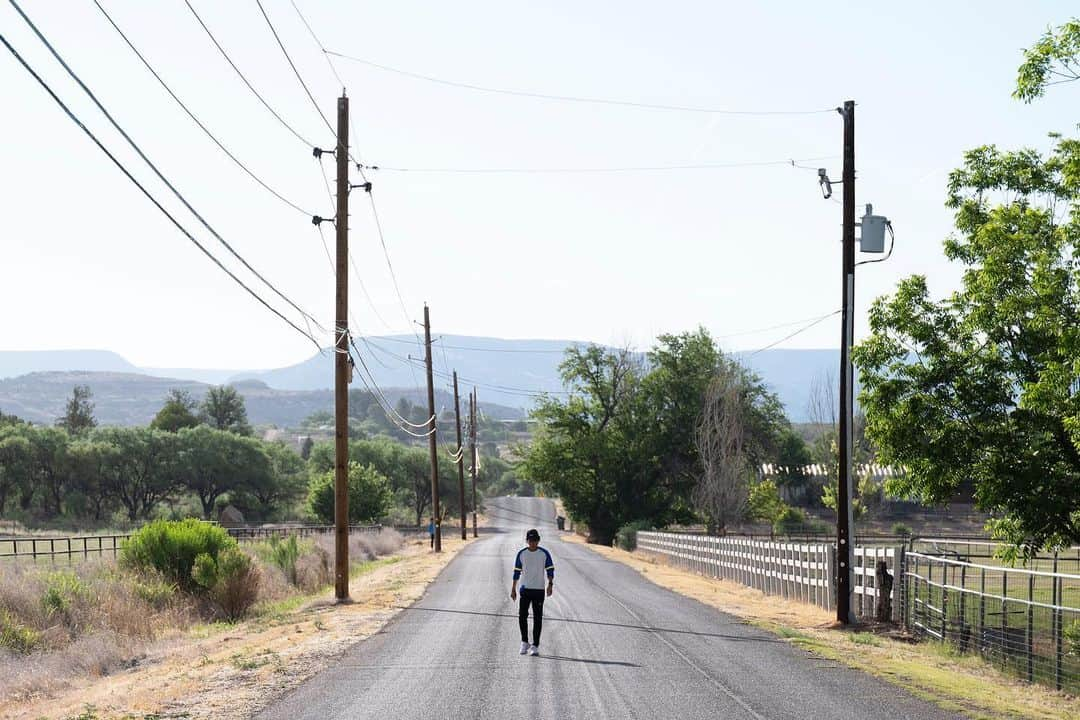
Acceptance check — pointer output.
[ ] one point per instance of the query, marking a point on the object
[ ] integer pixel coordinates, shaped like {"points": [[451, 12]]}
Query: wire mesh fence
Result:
{"points": [[1025, 620]]}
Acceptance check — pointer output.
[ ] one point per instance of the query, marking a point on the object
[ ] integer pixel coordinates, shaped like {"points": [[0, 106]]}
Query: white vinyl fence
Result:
{"points": [[793, 570]]}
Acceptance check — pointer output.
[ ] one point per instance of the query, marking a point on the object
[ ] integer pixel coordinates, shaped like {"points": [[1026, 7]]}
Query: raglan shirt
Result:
{"points": [[531, 567]]}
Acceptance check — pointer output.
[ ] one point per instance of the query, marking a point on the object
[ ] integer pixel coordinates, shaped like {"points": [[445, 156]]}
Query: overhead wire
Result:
{"points": [[583, 170], [156, 171], [378, 393], [150, 197], [293, 66], [246, 82], [797, 332], [575, 98], [194, 118]]}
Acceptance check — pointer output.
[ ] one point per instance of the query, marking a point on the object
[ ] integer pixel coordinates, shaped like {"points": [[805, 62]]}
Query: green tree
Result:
{"points": [[982, 386], [213, 462], [177, 413], [284, 485], [15, 462], [223, 409], [143, 470], [305, 447], [49, 468], [88, 462], [369, 495], [1053, 60], [78, 415]]}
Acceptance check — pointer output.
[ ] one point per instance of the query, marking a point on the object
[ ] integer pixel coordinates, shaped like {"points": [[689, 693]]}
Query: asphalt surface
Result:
{"points": [[614, 646]]}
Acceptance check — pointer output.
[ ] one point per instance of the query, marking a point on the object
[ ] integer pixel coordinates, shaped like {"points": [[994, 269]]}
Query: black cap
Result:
{"points": [[532, 535]]}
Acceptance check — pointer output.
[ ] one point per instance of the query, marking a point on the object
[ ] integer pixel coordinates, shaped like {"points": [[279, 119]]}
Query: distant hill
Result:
{"points": [[133, 399], [507, 373]]}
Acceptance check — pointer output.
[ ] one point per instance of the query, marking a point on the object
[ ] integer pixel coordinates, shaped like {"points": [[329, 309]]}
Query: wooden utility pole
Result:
{"points": [[843, 490], [460, 458], [431, 434], [472, 454], [341, 360]]}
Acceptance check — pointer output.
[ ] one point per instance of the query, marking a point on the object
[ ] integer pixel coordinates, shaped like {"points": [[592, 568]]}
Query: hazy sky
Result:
{"points": [[610, 257]]}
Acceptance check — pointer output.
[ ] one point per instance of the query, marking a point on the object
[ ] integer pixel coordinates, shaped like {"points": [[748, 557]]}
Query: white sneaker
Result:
{"points": [[533, 650], [524, 648]]}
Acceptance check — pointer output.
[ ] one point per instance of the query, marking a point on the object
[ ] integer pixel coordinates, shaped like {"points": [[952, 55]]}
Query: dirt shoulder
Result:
{"points": [[226, 672], [961, 684]]}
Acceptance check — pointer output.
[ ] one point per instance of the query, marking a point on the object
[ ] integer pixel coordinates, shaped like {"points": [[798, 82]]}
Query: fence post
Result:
{"points": [[1056, 624], [965, 629], [1004, 616], [1031, 629], [982, 605], [830, 579]]}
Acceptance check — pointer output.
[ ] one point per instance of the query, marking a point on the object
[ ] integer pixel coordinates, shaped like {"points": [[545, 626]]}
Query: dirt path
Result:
{"points": [[236, 670]]}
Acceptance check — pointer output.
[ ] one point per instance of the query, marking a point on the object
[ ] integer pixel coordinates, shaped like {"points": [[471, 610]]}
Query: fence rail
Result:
{"points": [[1027, 620], [84, 547]]}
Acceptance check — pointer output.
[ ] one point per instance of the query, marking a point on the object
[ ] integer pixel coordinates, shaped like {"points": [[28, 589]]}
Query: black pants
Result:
{"points": [[536, 599], [432, 541]]}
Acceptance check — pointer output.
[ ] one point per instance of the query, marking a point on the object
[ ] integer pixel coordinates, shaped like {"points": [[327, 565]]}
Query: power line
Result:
{"points": [[797, 332], [196, 120], [317, 42], [574, 98], [150, 197], [583, 170], [293, 66], [250, 87], [157, 172]]}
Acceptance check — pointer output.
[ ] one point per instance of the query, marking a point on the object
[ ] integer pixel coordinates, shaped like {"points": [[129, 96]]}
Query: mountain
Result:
{"points": [[134, 399], [508, 373], [20, 362]]}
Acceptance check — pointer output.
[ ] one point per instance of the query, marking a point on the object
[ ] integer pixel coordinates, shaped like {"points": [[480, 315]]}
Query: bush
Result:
{"points": [[765, 502], [1072, 638], [626, 536], [790, 521], [170, 548], [901, 529], [284, 554], [370, 496], [62, 591], [231, 581], [15, 636]]}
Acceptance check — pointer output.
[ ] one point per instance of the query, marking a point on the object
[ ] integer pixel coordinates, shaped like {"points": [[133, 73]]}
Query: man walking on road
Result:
{"points": [[530, 567]]}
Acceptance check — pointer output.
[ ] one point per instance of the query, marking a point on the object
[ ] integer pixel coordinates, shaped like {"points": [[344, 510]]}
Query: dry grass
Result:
{"points": [[960, 684], [231, 671]]}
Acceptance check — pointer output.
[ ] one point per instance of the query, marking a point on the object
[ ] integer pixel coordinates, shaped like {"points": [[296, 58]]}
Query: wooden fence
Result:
{"points": [[84, 547]]}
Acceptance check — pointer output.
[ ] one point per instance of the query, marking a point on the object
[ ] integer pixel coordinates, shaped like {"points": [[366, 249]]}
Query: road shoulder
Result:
{"points": [[959, 684], [225, 672]]}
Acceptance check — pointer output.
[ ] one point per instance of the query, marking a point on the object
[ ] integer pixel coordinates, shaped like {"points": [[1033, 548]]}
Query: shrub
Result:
{"points": [[387, 542], [901, 529], [154, 590], [370, 496], [790, 521], [1072, 638], [231, 581], [765, 503], [62, 590], [284, 554], [15, 636], [626, 536], [170, 547]]}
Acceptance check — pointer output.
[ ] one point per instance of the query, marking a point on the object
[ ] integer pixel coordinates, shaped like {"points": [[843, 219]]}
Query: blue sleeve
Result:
{"points": [[517, 566], [549, 565]]}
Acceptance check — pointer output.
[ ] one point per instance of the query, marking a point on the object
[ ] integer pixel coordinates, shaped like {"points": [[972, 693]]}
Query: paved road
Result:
{"points": [[614, 646]]}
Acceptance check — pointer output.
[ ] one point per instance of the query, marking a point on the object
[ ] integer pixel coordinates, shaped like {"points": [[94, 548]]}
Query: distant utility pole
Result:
{"points": [[431, 434], [472, 454], [843, 490], [341, 360], [461, 457]]}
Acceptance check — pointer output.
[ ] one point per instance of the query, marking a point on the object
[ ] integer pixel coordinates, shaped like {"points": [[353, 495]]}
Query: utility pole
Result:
{"points": [[843, 490], [341, 360], [431, 434], [461, 457], [472, 454]]}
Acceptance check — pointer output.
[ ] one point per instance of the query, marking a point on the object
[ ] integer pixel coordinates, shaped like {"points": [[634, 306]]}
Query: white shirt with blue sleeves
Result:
{"points": [[531, 567]]}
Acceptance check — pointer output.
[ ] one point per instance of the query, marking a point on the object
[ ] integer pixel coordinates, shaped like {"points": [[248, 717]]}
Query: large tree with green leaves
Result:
{"points": [[983, 385], [223, 409], [78, 417], [177, 413], [212, 463], [369, 495], [1053, 60]]}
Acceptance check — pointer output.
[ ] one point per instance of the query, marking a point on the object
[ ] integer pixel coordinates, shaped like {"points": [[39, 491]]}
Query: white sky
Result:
{"points": [[89, 263]]}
